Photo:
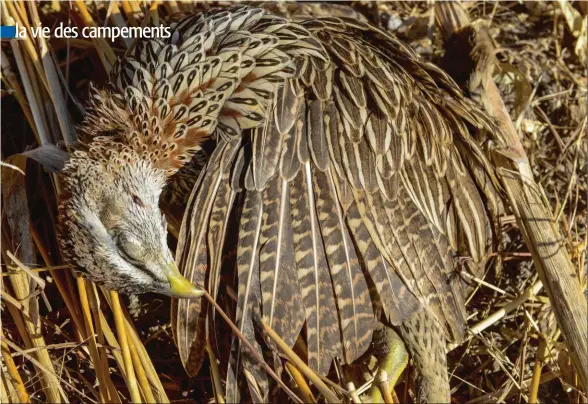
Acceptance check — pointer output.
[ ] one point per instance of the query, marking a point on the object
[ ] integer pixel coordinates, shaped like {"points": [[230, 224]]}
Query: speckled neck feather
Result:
{"points": [[216, 76]]}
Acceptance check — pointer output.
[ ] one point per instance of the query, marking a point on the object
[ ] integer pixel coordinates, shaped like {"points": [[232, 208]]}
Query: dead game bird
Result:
{"points": [[351, 170]]}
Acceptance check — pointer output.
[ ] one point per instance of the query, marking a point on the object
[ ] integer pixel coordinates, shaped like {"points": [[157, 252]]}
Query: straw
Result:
{"points": [[122, 340], [21, 391]]}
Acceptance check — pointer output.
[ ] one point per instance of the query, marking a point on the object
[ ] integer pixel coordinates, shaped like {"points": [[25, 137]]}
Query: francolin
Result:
{"points": [[348, 173]]}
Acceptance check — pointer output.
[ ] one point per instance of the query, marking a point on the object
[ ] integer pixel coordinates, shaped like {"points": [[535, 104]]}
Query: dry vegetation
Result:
{"points": [[64, 339]]}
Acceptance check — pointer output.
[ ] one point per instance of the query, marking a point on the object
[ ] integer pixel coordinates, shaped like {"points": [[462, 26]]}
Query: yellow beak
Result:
{"points": [[180, 286]]}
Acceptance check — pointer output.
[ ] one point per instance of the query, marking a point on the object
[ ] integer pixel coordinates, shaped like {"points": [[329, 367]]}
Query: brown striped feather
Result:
{"points": [[355, 195], [322, 326], [317, 141], [192, 259], [281, 301], [390, 294], [353, 302], [248, 292], [267, 146]]}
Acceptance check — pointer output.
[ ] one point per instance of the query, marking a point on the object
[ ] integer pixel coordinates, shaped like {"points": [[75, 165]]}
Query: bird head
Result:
{"points": [[209, 80], [112, 227]]}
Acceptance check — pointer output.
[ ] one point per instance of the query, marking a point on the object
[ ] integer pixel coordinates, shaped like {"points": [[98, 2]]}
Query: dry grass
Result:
{"points": [[64, 339]]}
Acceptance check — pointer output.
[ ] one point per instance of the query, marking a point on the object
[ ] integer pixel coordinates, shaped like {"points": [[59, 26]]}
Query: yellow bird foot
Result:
{"points": [[393, 357]]}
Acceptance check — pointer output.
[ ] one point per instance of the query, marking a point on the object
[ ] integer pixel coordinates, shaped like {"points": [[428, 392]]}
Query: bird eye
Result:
{"points": [[137, 200], [131, 250]]}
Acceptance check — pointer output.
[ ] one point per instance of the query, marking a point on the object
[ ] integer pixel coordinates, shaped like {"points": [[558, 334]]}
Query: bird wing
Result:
{"points": [[351, 199]]}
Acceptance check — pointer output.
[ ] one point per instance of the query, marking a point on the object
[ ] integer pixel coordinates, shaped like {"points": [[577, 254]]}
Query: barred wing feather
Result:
{"points": [[351, 190]]}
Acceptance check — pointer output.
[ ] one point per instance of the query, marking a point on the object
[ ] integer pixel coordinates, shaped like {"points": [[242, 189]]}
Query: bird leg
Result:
{"points": [[425, 341], [393, 358]]}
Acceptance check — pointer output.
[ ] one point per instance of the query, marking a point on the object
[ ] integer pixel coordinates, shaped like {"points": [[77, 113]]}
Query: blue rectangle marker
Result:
{"points": [[7, 31]]}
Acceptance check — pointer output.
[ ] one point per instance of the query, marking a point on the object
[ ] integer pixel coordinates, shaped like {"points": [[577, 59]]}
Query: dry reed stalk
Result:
{"points": [[6, 389], [12, 14], [38, 115], [387, 391], [101, 373], [12, 83], [35, 93], [146, 362], [131, 380], [113, 344], [54, 86], [45, 370], [105, 52], [98, 356], [62, 285], [493, 397], [215, 375], [482, 282], [141, 377], [135, 346], [118, 20], [94, 303], [534, 389], [15, 308], [11, 166], [171, 6], [303, 388], [354, 395], [154, 13], [136, 5], [20, 6], [16, 381], [13, 269], [128, 10], [303, 367], [499, 314], [535, 219], [31, 328], [11, 300], [255, 354], [39, 94], [38, 280]]}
